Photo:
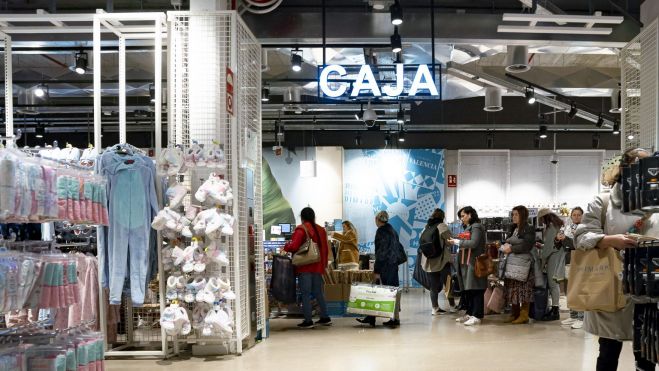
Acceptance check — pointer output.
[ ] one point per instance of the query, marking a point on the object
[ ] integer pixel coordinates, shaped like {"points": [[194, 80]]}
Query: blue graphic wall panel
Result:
{"points": [[407, 183]]}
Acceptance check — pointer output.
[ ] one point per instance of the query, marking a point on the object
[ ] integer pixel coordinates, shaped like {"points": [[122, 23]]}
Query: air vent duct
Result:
{"points": [[517, 59]]}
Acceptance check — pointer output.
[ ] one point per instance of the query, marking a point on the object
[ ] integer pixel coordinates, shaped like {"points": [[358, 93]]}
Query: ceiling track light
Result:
{"points": [[573, 110], [360, 116], [296, 60], [596, 141], [396, 12], [39, 131], [536, 141], [616, 128], [400, 116], [265, 94], [530, 95], [152, 93], [41, 91], [543, 132], [81, 59], [396, 42], [600, 121], [401, 135], [489, 141]]}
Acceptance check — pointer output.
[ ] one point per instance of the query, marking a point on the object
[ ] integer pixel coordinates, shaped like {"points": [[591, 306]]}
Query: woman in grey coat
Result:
{"points": [[474, 287], [552, 260], [609, 232]]}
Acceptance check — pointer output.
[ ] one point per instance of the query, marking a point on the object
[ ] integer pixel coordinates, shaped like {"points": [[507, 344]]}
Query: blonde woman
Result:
{"points": [[348, 250]]}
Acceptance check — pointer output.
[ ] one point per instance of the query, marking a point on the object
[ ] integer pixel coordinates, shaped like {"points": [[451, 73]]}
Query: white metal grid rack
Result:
{"points": [[640, 90], [204, 46]]}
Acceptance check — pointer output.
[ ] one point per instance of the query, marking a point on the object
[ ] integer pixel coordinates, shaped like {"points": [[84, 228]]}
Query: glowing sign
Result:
{"points": [[366, 83]]}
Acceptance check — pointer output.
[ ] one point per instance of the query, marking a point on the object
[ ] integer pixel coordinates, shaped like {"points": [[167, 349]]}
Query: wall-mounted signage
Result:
{"points": [[336, 81]]}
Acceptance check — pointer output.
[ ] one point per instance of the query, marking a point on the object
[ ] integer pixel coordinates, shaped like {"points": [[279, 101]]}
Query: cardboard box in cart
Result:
{"points": [[334, 292], [374, 300]]}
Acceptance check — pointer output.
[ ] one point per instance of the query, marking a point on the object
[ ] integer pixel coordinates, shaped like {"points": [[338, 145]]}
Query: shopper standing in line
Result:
{"points": [[598, 233], [470, 249], [348, 249], [520, 293], [552, 260], [566, 238], [386, 265], [434, 240], [310, 276]]}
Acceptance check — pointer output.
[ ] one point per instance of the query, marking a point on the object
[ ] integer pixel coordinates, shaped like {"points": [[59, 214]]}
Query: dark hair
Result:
{"points": [[438, 214], [552, 219], [473, 215], [577, 209], [523, 218], [308, 215]]}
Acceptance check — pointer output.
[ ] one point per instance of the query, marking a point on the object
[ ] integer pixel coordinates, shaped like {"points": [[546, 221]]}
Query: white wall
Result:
{"points": [[324, 193]]}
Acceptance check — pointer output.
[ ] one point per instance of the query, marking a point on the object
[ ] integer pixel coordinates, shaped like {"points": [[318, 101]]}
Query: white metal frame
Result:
{"points": [[9, 90]]}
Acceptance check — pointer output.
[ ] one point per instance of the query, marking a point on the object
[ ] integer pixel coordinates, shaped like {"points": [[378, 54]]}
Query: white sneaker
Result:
{"points": [[435, 311], [578, 324], [463, 319], [568, 321], [473, 321]]}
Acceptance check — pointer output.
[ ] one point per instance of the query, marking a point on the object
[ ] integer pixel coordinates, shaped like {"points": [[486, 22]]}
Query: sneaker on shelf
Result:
{"points": [[473, 321], [568, 321], [324, 321], [578, 324], [463, 319], [306, 324]]}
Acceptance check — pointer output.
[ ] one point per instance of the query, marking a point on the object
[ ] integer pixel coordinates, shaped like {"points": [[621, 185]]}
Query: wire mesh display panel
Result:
{"points": [[640, 99], [205, 47]]}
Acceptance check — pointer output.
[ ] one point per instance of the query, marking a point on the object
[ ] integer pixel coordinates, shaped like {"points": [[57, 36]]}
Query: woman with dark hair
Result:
{"points": [[471, 247], [310, 276], [566, 238], [552, 260], [386, 265], [435, 256], [520, 293], [604, 227]]}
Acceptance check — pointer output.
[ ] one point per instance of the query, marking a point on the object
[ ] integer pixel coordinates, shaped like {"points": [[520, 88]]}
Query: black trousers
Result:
{"points": [[475, 300], [437, 281], [610, 353]]}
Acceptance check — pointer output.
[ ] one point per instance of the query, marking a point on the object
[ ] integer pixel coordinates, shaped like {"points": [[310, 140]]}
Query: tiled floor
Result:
{"points": [[421, 343]]}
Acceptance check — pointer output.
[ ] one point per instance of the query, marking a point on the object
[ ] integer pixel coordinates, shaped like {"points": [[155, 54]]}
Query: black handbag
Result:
{"points": [[419, 274], [282, 284]]}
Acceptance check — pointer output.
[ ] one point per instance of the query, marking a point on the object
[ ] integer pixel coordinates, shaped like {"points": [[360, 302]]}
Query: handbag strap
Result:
{"points": [[606, 198], [306, 231]]}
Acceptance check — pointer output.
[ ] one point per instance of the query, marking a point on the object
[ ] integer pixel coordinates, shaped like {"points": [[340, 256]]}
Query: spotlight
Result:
{"points": [[396, 13], [489, 140], [536, 142], [400, 117], [39, 131], [543, 132], [41, 90], [596, 141], [396, 43], [358, 140], [530, 95], [152, 93], [265, 94], [387, 139], [81, 63], [401, 136], [359, 116], [296, 60], [573, 110], [630, 137], [600, 121], [616, 128]]}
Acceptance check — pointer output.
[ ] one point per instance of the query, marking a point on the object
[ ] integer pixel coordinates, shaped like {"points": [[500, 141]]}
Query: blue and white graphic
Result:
{"points": [[408, 184]]}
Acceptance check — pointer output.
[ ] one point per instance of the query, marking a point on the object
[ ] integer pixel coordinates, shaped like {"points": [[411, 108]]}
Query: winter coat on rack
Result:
{"points": [[319, 236], [348, 250], [616, 325], [469, 250]]}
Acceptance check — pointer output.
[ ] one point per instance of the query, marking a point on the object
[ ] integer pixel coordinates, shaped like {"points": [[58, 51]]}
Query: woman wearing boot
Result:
{"points": [[552, 260], [520, 293], [604, 227]]}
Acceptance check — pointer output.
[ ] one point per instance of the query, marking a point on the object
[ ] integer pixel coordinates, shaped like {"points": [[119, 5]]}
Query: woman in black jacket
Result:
{"points": [[386, 265], [520, 293]]}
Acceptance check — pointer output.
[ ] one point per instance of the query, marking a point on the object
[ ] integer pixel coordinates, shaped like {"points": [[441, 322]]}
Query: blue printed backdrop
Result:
{"points": [[407, 183]]}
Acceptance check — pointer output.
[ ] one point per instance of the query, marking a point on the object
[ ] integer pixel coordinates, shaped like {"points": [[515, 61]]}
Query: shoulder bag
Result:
{"points": [[308, 253], [484, 265], [518, 266]]}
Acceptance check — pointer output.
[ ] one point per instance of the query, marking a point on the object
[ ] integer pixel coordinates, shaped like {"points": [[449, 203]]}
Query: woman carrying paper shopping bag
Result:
{"points": [[604, 227], [386, 262]]}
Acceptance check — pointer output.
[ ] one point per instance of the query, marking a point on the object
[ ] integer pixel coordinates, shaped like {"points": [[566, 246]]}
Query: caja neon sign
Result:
{"points": [[365, 83]]}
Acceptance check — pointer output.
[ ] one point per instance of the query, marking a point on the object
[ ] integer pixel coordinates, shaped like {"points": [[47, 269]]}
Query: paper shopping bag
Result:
{"points": [[595, 281]]}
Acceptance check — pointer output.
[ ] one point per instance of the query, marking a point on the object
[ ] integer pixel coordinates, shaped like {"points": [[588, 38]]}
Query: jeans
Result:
{"points": [[475, 300], [610, 352], [437, 280], [312, 284]]}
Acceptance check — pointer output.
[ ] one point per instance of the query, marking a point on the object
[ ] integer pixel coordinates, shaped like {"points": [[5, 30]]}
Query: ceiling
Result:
{"points": [[584, 69]]}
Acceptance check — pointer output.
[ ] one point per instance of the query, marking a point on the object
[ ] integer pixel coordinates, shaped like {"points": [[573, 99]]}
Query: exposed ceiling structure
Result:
{"points": [[579, 68]]}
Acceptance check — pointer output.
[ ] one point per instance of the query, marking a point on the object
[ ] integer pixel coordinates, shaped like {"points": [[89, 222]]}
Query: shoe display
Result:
{"points": [[473, 321]]}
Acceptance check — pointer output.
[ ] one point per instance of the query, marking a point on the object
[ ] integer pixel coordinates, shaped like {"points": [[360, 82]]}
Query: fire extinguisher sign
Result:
{"points": [[230, 91]]}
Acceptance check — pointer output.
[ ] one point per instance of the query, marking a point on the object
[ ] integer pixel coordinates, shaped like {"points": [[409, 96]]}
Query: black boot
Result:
{"points": [[368, 320], [552, 315], [392, 323]]}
